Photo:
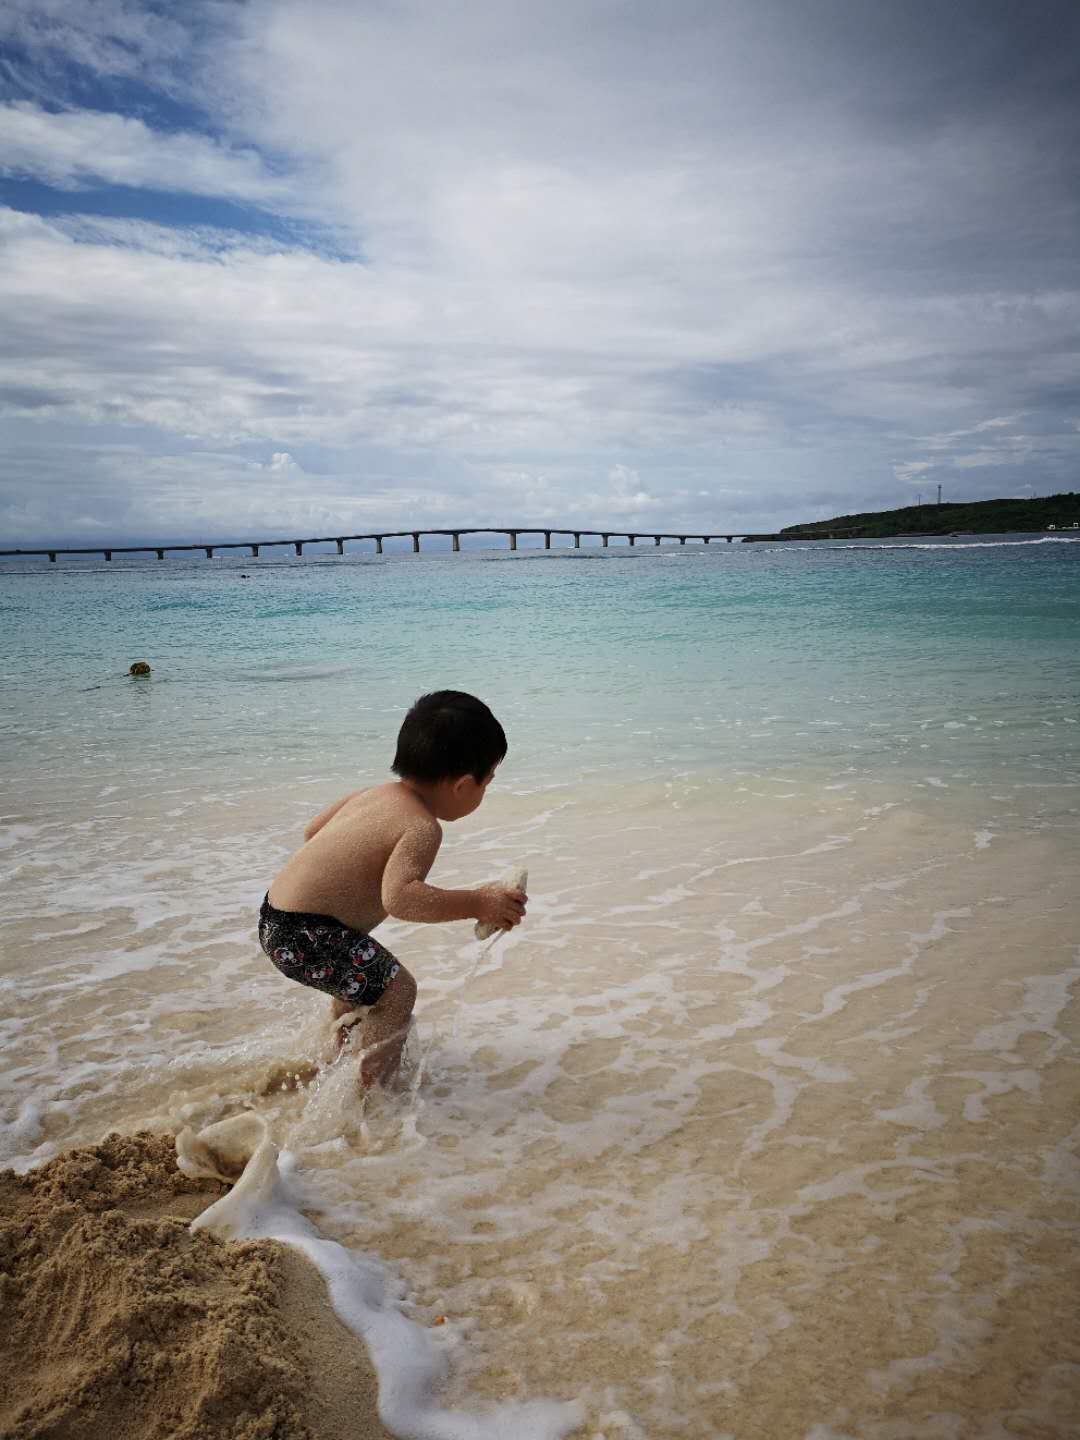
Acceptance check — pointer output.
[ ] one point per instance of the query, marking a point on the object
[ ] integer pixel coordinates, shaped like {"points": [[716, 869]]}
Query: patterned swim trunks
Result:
{"points": [[319, 951]]}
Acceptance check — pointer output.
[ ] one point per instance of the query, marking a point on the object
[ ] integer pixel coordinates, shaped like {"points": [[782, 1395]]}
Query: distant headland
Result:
{"points": [[980, 517]]}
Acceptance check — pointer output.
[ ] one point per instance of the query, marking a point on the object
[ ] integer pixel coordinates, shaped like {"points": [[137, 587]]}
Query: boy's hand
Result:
{"points": [[500, 906]]}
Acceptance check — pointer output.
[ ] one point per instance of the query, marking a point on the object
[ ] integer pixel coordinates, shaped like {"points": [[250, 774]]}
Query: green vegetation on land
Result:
{"points": [[982, 517]]}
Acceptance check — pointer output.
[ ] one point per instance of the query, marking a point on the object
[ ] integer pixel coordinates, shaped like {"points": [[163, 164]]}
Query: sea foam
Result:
{"points": [[409, 1362]]}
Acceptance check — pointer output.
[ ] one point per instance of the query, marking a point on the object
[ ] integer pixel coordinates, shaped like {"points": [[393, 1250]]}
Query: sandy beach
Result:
{"points": [[824, 1173], [121, 1322]]}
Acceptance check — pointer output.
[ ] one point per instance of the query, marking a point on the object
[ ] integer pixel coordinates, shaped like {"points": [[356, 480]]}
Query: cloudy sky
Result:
{"points": [[304, 265]]}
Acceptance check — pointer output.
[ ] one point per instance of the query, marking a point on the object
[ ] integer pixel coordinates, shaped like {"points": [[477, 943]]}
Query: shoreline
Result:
{"points": [[846, 1113]]}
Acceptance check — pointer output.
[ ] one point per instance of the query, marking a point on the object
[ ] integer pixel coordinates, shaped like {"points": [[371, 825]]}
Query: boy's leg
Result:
{"points": [[337, 1009], [385, 1029]]}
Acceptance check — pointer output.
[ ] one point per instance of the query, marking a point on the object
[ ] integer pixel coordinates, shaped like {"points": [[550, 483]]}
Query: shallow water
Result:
{"points": [[765, 1123]]}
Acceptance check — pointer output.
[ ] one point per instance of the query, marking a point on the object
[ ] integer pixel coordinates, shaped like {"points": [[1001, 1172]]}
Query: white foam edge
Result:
{"points": [[408, 1361]]}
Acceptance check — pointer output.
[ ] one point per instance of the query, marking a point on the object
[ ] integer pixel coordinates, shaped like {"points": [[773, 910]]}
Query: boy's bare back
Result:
{"points": [[341, 868]]}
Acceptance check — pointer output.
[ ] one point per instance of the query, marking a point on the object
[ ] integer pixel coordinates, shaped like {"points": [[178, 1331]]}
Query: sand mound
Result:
{"points": [[120, 1322]]}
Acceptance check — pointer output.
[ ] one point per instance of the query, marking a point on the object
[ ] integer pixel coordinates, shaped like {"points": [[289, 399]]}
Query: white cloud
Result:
{"points": [[626, 494], [979, 459], [285, 345], [947, 439], [653, 244], [74, 148], [237, 346], [912, 470], [192, 242], [111, 37]]}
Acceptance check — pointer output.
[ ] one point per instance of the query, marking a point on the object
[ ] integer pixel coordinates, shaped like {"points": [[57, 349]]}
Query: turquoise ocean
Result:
{"points": [[765, 1122]]}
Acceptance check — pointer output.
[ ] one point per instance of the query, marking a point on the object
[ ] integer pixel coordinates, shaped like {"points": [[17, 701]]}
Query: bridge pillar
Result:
{"points": [[107, 554], [577, 539], [209, 551], [603, 539], [547, 539], [52, 556], [656, 539], [682, 539], [706, 538], [254, 551], [416, 542], [457, 540], [298, 547], [513, 539], [632, 539], [340, 546], [378, 544], [729, 538], [160, 554]]}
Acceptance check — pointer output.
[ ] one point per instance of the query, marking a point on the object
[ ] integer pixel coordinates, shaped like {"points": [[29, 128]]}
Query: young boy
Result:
{"points": [[367, 856]]}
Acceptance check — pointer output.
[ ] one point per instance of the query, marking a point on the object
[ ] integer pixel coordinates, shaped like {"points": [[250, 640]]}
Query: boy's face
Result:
{"points": [[463, 795]]}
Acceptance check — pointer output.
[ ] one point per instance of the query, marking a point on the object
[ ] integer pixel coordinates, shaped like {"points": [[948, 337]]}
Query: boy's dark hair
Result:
{"points": [[447, 734]]}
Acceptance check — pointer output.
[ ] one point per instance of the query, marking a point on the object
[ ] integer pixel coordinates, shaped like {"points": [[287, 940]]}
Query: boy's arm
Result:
{"points": [[405, 896], [313, 827]]}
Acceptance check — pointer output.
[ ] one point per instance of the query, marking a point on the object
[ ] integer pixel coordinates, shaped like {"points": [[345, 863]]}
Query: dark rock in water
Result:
{"points": [[140, 667]]}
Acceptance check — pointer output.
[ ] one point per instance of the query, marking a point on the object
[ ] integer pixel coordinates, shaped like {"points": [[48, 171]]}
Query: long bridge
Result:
{"points": [[632, 537]]}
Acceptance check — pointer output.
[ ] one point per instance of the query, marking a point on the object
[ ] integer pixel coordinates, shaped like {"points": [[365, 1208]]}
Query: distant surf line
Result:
{"points": [[965, 545]]}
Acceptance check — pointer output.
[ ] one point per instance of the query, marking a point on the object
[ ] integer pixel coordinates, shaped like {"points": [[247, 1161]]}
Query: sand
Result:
{"points": [[120, 1322]]}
